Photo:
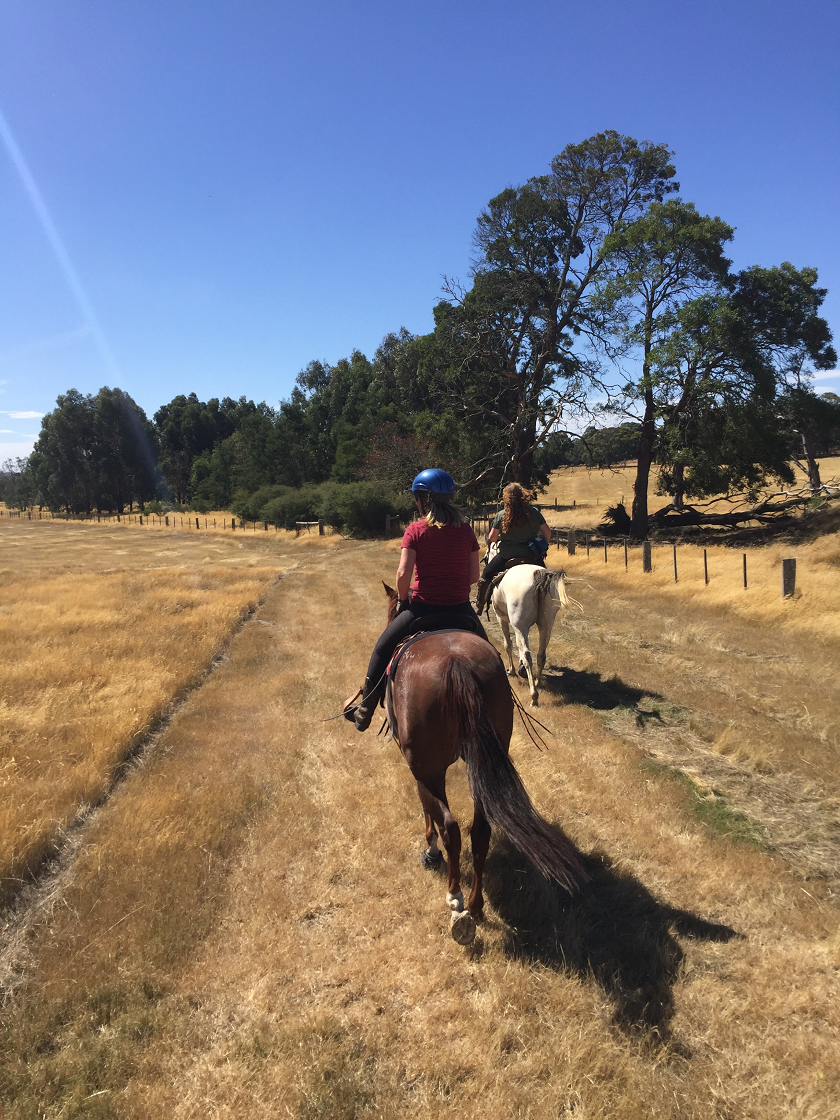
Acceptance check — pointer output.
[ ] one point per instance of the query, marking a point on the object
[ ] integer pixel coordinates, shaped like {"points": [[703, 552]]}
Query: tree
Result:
{"points": [[17, 484], [783, 303], [94, 453], [506, 348], [187, 428], [662, 259]]}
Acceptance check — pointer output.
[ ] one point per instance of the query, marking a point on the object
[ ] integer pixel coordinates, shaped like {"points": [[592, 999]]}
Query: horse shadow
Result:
{"points": [[614, 929], [593, 691]]}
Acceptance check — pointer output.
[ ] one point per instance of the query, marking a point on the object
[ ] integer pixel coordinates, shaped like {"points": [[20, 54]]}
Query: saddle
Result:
{"points": [[497, 579]]}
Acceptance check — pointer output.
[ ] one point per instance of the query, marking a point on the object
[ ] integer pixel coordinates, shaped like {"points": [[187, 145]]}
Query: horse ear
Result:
{"points": [[389, 591]]}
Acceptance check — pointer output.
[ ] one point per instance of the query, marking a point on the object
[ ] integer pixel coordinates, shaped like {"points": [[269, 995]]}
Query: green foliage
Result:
{"points": [[505, 351], [282, 505], [95, 453], [17, 484], [357, 508]]}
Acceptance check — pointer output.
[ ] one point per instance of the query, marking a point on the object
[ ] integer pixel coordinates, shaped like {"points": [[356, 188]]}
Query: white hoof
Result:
{"points": [[462, 927], [455, 902]]}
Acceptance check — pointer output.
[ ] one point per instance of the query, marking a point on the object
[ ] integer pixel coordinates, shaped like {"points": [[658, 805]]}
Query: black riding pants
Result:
{"points": [[395, 631], [497, 565]]}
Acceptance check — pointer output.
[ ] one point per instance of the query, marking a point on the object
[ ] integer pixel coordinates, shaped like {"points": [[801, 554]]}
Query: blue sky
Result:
{"points": [[207, 195]]}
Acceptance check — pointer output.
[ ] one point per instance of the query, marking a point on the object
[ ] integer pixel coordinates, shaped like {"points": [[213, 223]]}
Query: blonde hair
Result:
{"points": [[517, 510], [440, 512]]}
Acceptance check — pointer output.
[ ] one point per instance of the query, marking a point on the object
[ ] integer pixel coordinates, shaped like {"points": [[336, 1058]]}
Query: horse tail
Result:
{"points": [[551, 584], [497, 787]]}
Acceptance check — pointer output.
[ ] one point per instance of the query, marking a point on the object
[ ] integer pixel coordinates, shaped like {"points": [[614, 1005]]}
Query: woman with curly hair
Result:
{"points": [[517, 524]]}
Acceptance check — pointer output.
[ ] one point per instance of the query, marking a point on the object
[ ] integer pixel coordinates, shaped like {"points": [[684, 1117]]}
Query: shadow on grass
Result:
{"points": [[591, 689], [614, 930]]}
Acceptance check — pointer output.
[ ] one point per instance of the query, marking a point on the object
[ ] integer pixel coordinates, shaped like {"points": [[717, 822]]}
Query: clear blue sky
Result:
{"points": [[222, 190]]}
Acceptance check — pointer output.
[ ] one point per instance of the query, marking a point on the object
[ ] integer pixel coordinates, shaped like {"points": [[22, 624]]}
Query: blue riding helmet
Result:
{"points": [[432, 481]]}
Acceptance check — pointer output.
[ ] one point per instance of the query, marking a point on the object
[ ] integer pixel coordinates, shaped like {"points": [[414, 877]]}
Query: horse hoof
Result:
{"points": [[431, 860], [462, 926]]}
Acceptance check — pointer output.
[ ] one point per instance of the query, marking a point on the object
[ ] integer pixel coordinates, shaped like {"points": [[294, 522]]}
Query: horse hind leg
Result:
{"points": [[432, 856], [503, 622], [526, 662], [436, 807], [546, 626], [480, 843]]}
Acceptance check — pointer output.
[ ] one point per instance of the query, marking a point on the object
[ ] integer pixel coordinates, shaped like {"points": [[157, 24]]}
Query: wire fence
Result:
{"points": [[481, 520]]}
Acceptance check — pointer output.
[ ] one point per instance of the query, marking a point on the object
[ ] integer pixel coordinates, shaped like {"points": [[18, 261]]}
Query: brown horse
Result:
{"points": [[450, 699]]}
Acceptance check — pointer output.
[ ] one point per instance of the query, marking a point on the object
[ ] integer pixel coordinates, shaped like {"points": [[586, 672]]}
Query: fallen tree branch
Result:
{"points": [[767, 510]]}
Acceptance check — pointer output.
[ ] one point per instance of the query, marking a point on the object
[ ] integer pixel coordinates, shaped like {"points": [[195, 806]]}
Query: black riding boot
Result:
{"points": [[363, 712], [481, 594]]}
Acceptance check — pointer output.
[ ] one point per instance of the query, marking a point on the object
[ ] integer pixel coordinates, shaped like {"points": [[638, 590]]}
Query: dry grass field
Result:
{"points": [[595, 490], [246, 929], [100, 629]]}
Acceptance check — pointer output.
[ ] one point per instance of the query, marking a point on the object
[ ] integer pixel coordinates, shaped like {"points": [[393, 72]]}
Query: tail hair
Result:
{"points": [[551, 583], [497, 787]]}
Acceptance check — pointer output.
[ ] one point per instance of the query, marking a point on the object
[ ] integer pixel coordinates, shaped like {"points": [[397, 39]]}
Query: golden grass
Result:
{"points": [[595, 490], [100, 630], [248, 930]]}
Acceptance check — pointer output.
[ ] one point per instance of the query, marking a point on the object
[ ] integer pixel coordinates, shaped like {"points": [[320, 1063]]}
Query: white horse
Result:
{"points": [[527, 596]]}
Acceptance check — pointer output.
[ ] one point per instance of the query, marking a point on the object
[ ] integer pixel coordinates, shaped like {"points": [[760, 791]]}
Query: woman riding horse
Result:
{"points": [[514, 528], [444, 551]]}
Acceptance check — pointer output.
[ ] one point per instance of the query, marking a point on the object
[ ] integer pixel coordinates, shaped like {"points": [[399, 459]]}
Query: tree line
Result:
{"points": [[597, 299]]}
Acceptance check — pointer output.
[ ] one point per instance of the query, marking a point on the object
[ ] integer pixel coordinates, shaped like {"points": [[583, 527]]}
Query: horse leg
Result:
{"points": [[435, 805], [526, 661], [432, 856], [503, 622], [480, 842], [545, 624]]}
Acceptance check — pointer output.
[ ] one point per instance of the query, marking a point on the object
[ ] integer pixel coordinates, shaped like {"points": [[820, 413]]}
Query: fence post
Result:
{"points": [[233, 523], [745, 570], [197, 524], [675, 564], [141, 518], [625, 552], [320, 527], [788, 578], [571, 542], [647, 563], [587, 546], [605, 550], [705, 567]]}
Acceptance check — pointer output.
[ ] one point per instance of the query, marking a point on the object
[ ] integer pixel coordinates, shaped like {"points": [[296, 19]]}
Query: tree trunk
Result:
{"points": [[814, 480], [679, 485], [647, 441], [521, 468]]}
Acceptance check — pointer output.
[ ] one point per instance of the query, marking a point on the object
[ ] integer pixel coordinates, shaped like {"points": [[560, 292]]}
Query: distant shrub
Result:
{"points": [[357, 508], [288, 506], [250, 506]]}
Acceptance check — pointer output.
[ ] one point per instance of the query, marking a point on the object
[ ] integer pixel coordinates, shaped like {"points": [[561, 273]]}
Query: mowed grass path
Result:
{"points": [[100, 630], [249, 932]]}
